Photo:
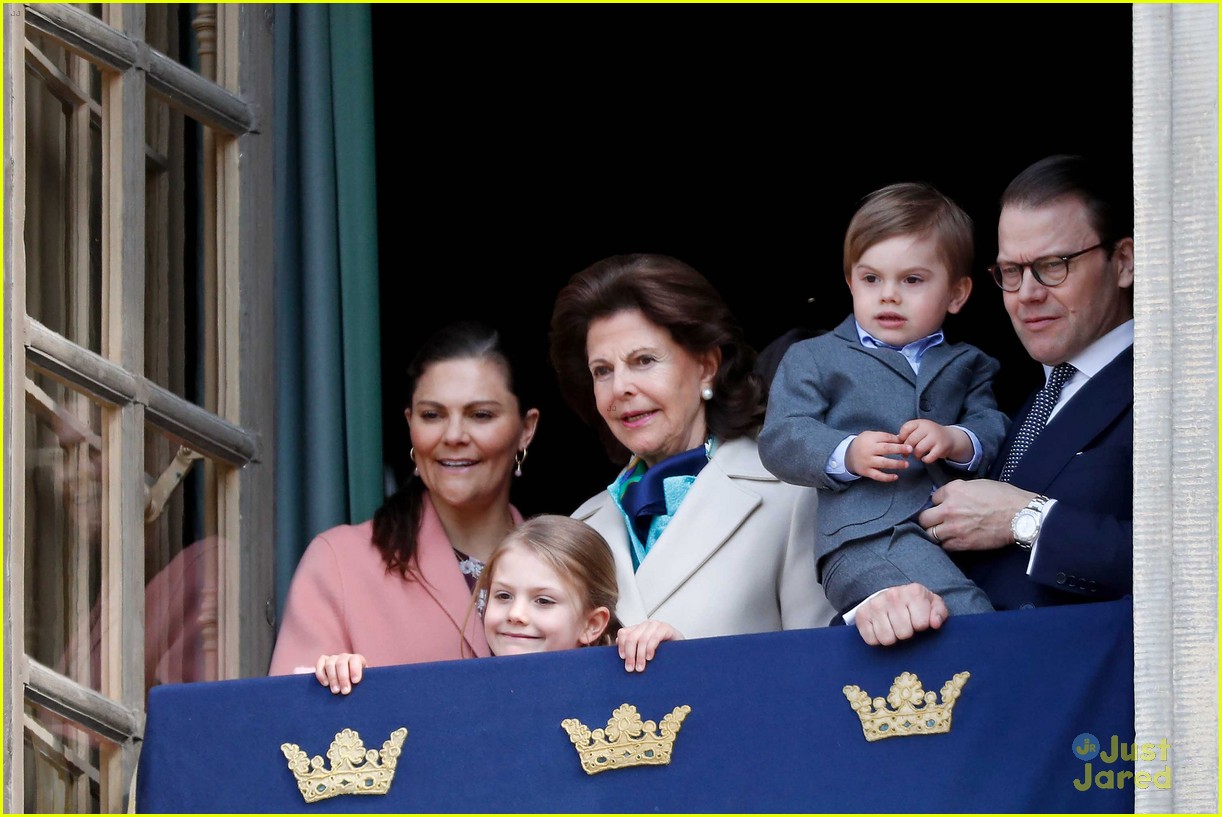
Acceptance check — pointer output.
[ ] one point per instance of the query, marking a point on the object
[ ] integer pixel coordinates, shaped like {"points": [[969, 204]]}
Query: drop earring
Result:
{"points": [[517, 461], [411, 455]]}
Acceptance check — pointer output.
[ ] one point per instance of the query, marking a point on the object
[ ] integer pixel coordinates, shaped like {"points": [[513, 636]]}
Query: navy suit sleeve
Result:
{"points": [[1088, 554]]}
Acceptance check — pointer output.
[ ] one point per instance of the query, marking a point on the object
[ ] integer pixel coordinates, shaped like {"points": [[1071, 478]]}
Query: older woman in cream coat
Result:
{"points": [[705, 538]]}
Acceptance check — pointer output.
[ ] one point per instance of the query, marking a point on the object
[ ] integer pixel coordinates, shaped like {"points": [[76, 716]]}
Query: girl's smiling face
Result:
{"points": [[530, 608]]}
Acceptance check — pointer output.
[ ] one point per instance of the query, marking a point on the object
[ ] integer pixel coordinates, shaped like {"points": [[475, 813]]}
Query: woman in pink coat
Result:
{"points": [[397, 588]]}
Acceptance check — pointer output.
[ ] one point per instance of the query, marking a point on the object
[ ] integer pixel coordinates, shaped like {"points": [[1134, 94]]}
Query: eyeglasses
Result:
{"points": [[1048, 271]]}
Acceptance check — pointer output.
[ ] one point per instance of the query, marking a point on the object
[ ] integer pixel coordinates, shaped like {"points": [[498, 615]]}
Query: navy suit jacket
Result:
{"points": [[1084, 460]]}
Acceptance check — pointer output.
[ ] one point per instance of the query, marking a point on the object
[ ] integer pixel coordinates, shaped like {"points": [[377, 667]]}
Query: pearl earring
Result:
{"points": [[706, 393]]}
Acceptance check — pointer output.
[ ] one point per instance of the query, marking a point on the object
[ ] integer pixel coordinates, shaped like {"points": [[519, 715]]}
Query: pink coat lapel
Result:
{"points": [[443, 581]]}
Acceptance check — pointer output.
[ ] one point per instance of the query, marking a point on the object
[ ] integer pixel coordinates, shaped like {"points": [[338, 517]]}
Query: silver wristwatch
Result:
{"points": [[1026, 523]]}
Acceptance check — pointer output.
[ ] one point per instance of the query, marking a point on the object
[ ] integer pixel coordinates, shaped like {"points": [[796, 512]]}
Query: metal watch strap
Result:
{"points": [[1036, 504]]}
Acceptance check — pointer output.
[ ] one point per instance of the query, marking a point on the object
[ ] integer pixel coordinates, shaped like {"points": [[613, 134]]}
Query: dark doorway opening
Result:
{"points": [[518, 144]]}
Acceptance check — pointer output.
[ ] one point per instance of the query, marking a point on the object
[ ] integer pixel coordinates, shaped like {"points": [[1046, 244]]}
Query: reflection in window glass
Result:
{"points": [[64, 546], [61, 765], [170, 256], [63, 213], [63, 529], [181, 567]]}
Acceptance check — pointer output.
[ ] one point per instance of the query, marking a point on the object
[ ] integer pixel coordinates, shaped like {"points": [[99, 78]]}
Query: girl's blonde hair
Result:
{"points": [[579, 555]]}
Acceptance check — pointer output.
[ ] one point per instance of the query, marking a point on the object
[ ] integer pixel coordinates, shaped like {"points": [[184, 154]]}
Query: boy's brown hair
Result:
{"points": [[911, 208]]}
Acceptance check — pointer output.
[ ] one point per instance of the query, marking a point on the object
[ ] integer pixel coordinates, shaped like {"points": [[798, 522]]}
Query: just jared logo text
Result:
{"points": [[1086, 747]]}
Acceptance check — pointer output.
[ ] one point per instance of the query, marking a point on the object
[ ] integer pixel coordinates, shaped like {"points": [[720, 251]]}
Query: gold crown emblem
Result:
{"points": [[626, 741], [913, 711], [353, 769]]}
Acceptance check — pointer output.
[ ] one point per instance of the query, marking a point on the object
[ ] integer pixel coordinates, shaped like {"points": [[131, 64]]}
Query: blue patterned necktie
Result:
{"points": [[1037, 418]]}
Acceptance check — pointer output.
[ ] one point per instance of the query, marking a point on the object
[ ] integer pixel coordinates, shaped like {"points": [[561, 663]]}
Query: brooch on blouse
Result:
{"points": [[468, 565]]}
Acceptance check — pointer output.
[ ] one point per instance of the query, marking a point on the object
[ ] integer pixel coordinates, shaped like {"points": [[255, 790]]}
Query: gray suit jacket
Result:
{"points": [[738, 556], [831, 386]]}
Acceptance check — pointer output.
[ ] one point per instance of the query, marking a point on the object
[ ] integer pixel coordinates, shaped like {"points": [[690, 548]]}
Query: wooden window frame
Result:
{"points": [[239, 204]]}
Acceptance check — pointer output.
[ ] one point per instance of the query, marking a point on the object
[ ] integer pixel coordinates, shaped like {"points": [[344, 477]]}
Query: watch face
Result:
{"points": [[1025, 525]]}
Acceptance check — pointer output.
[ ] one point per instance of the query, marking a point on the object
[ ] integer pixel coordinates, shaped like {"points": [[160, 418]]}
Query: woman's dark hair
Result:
{"points": [[397, 523], [676, 297]]}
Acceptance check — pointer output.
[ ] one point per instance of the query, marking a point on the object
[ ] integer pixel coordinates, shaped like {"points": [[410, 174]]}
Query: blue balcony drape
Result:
{"points": [[770, 729]]}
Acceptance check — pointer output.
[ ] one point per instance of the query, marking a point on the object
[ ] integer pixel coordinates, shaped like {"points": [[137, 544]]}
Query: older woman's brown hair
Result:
{"points": [[676, 297]]}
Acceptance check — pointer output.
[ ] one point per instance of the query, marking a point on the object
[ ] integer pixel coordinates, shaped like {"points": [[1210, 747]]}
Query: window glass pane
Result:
{"points": [[61, 765], [181, 565], [170, 256], [175, 292], [163, 26], [168, 28], [63, 529], [63, 214], [96, 9], [64, 545]]}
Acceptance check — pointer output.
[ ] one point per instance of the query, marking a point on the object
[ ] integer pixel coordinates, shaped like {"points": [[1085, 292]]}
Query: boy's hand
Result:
{"points": [[899, 613], [932, 442], [868, 455], [340, 671], [638, 643]]}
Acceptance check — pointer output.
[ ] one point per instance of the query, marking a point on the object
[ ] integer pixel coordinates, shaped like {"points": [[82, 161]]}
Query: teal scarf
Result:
{"points": [[650, 497]]}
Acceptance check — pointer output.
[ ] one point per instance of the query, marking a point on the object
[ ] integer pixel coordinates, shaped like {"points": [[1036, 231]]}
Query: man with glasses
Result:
{"points": [[1054, 525]]}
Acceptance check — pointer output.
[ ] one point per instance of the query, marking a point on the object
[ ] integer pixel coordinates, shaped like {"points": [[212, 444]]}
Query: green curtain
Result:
{"points": [[328, 465]]}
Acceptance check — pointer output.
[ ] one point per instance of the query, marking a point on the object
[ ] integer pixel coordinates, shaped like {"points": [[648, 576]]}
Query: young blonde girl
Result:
{"points": [[550, 585]]}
